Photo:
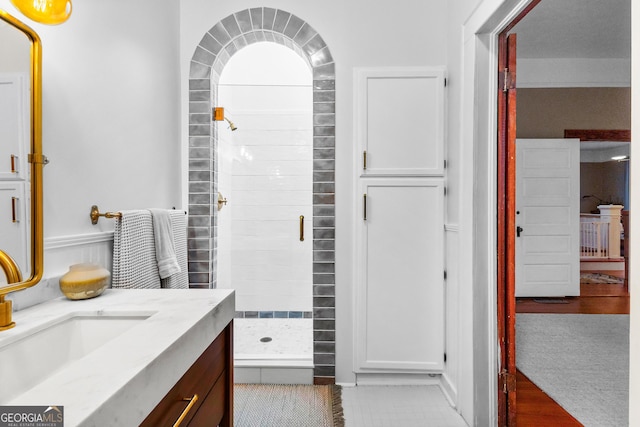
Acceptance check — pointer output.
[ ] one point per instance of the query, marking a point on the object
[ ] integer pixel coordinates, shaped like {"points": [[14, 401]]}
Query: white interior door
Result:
{"points": [[547, 217]]}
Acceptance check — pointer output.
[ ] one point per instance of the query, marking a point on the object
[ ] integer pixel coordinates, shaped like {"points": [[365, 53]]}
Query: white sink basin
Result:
{"points": [[33, 356]]}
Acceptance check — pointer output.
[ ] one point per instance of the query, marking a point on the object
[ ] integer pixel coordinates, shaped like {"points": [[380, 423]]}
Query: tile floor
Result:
{"points": [[398, 406], [364, 406]]}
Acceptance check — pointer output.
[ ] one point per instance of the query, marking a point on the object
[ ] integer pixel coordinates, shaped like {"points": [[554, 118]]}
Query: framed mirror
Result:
{"points": [[21, 159]]}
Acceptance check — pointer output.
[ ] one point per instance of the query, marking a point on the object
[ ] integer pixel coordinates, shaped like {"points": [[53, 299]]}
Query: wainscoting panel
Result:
{"points": [[59, 254]]}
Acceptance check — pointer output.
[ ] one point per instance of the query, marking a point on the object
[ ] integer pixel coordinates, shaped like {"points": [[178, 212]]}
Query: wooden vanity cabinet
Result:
{"points": [[211, 379]]}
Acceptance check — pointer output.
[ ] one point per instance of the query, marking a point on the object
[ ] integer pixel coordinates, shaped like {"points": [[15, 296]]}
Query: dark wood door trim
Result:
{"points": [[506, 229], [506, 192], [618, 135]]}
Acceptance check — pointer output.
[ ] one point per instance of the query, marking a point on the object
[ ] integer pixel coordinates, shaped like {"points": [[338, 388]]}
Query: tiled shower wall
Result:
{"points": [[212, 53], [265, 173]]}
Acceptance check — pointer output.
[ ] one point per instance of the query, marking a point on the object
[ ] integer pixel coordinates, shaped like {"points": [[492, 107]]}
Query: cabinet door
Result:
{"points": [[211, 379], [14, 224], [14, 123], [400, 292], [400, 117]]}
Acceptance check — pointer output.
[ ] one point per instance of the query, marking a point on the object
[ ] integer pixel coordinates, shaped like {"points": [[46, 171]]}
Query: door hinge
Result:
{"points": [[508, 382], [507, 80]]}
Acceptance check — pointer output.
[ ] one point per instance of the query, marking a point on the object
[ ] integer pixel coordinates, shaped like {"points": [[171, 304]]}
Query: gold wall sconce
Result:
{"points": [[50, 12], [218, 116]]}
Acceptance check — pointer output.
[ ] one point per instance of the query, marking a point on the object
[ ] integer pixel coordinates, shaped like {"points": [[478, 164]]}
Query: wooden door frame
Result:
{"points": [[506, 199]]}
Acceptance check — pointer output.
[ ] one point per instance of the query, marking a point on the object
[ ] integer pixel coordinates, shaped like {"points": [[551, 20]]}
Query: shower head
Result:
{"points": [[218, 116], [231, 125]]}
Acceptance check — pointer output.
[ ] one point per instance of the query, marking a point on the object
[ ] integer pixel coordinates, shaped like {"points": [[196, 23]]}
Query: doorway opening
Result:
{"points": [[265, 168], [218, 45], [512, 233]]}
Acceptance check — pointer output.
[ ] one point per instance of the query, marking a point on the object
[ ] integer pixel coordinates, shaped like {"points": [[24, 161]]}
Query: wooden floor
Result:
{"points": [[534, 407]]}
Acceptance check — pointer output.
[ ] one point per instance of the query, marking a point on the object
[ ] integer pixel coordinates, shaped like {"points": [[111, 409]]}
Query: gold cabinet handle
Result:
{"points": [[14, 208], [302, 228], [364, 160], [14, 162], [192, 401], [364, 202]]}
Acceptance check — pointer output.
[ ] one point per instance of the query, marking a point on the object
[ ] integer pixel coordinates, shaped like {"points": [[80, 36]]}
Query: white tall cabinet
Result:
{"points": [[399, 301]]}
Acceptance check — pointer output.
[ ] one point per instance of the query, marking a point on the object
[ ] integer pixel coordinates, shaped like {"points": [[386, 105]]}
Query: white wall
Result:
{"points": [[110, 111], [14, 49], [111, 120], [472, 297]]}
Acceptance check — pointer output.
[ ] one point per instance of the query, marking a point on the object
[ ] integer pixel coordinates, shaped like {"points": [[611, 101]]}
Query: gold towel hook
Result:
{"points": [[95, 214]]}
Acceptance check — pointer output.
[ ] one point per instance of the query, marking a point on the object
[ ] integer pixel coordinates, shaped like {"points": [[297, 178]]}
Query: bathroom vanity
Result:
{"points": [[127, 357]]}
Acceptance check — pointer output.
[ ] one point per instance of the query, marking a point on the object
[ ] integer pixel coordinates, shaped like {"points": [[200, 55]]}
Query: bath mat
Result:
{"points": [[276, 405], [590, 278]]}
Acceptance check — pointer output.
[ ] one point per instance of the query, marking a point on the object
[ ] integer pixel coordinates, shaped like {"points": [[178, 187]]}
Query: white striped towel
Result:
{"points": [[179, 226], [134, 255]]}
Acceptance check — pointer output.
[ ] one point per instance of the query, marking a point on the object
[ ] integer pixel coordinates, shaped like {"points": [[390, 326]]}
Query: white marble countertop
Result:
{"points": [[120, 382]]}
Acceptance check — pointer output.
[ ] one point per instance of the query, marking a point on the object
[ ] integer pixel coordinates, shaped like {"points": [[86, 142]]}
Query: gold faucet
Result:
{"points": [[12, 271]]}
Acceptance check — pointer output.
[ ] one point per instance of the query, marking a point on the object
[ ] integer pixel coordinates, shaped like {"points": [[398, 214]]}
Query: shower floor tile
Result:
{"points": [[289, 339]]}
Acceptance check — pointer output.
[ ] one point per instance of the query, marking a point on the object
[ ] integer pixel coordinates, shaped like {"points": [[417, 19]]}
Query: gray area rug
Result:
{"points": [[581, 361], [273, 405]]}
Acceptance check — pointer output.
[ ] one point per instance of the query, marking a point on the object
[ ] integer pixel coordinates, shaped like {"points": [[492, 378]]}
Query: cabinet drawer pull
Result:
{"points": [[192, 401], [14, 215], [14, 162], [302, 228]]}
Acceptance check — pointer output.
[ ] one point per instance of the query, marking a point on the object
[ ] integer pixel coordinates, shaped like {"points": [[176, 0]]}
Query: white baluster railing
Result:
{"points": [[594, 237], [600, 234]]}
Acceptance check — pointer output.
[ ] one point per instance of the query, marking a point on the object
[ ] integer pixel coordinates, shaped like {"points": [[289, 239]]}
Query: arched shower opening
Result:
{"points": [[213, 52]]}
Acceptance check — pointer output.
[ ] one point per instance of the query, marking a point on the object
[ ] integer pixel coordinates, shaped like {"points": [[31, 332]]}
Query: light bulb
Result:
{"points": [[50, 12]]}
